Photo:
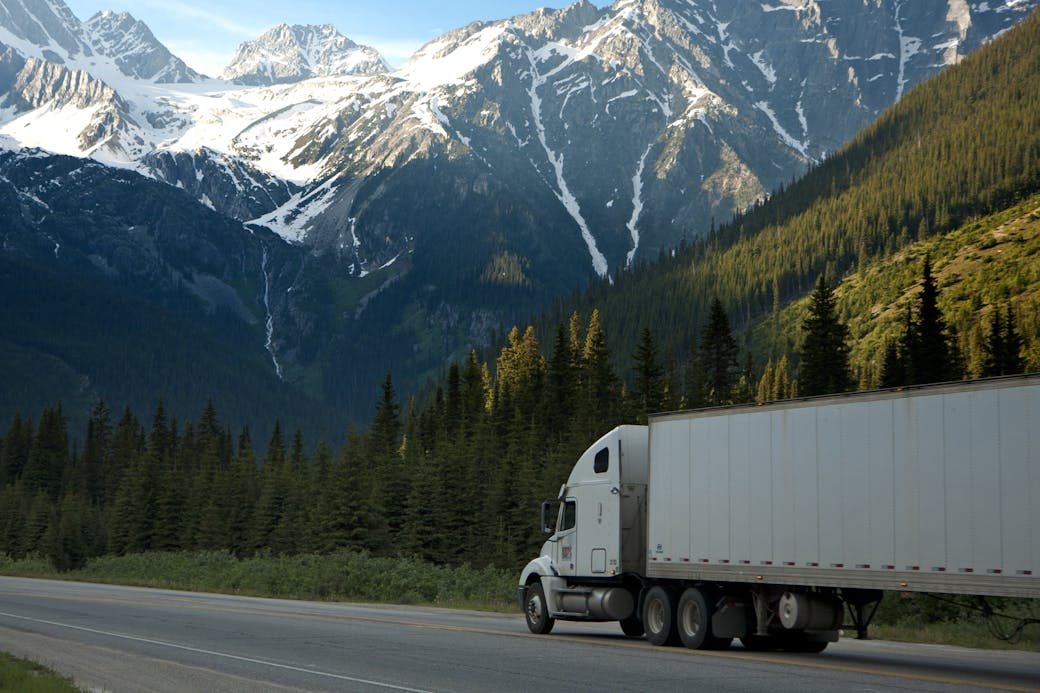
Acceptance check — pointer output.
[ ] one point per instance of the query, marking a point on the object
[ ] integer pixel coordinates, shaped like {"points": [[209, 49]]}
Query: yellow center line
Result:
{"points": [[591, 639]]}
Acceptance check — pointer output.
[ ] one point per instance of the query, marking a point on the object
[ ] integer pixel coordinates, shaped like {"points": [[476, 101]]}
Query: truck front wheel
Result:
{"points": [[632, 626], [659, 617], [536, 610]]}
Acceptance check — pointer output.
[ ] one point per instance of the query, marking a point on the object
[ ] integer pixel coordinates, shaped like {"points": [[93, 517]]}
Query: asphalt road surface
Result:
{"points": [[112, 638]]}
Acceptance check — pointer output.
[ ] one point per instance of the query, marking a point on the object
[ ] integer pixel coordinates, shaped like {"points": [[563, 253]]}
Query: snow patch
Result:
{"points": [[790, 141], [765, 68], [637, 206], [570, 203], [269, 324]]}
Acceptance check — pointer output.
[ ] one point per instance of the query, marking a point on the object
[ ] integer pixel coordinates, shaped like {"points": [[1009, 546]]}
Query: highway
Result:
{"points": [[111, 638]]}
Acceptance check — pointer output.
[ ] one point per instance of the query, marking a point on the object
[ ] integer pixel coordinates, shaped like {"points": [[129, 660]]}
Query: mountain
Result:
{"points": [[47, 29], [287, 54], [122, 288], [505, 165], [953, 169], [135, 50]]}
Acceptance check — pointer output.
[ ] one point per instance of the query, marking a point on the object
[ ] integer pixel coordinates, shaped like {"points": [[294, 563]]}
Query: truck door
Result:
{"points": [[567, 537]]}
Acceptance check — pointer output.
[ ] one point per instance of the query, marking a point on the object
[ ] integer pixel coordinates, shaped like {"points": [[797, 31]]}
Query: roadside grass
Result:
{"points": [[22, 676], [340, 576], [937, 619], [960, 633]]}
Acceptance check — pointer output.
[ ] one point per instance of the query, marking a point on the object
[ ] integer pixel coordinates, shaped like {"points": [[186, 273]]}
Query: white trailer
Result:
{"points": [[768, 523]]}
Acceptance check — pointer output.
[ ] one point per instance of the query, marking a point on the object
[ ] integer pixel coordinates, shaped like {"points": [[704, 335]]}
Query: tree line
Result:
{"points": [[454, 478]]}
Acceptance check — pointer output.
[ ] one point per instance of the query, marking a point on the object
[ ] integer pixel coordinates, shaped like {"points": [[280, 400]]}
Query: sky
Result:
{"points": [[206, 34]]}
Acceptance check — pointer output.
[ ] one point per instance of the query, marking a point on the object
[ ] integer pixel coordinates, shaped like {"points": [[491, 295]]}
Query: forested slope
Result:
{"points": [[962, 145]]}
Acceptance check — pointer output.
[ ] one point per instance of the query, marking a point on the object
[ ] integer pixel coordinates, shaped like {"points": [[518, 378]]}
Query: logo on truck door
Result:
{"points": [[566, 551]]}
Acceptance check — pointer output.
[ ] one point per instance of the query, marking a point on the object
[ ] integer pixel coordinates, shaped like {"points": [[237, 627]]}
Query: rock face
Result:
{"points": [[223, 183], [506, 163], [135, 50], [288, 54]]}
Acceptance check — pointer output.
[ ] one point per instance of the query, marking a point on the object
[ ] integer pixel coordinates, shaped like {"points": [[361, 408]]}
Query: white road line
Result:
{"points": [[214, 653]]}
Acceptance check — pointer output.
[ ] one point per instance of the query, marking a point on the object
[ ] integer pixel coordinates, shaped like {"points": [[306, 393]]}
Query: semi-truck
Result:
{"points": [[783, 524]]}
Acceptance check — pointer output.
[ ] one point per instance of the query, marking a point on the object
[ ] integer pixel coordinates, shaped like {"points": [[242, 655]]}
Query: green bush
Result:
{"points": [[340, 576]]}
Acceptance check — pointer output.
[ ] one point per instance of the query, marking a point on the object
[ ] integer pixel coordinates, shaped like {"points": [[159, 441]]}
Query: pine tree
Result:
{"points": [[17, 444], [386, 426], [96, 449], [599, 402], [69, 538], [764, 392], [562, 378], [694, 380], [1002, 348], [271, 502], [825, 350], [648, 392], [718, 356], [49, 454], [893, 367], [931, 354]]}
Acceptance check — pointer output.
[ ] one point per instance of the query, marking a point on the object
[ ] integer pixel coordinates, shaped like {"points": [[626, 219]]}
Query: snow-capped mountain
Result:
{"points": [[135, 50], [504, 164], [644, 120], [47, 29], [288, 54]]}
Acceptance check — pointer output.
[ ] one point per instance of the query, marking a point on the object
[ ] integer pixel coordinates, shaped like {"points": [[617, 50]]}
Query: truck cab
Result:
{"points": [[598, 536]]}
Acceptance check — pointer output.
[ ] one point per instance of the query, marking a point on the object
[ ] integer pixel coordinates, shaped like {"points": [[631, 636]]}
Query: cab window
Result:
{"points": [[568, 516], [602, 462]]}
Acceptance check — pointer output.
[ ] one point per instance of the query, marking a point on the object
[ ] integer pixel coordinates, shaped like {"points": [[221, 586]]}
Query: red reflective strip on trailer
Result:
{"points": [[939, 569], [889, 567], [863, 566], [967, 570], [994, 571], [837, 565], [813, 564]]}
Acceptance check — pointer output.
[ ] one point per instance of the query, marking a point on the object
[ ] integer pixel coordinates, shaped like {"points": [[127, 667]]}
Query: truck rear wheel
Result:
{"points": [[693, 621], [536, 610], [659, 617]]}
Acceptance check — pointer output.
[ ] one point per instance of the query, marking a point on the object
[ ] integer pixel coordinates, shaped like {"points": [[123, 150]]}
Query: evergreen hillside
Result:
{"points": [[983, 268], [963, 145]]}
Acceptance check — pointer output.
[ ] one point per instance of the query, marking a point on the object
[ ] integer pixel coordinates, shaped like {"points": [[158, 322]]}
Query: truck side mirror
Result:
{"points": [[547, 526]]}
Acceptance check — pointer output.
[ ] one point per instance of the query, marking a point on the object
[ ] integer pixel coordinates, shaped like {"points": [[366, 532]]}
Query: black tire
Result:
{"points": [[536, 610], [693, 622], [659, 617], [632, 626]]}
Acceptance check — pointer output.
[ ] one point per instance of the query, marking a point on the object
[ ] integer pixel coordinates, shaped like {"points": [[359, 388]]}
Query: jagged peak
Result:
{"points": [[291, 53]]}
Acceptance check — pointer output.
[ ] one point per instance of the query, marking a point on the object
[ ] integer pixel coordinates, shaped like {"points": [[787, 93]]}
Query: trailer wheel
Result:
{"points": [[632, 626], [659, 617], [536, 610]]}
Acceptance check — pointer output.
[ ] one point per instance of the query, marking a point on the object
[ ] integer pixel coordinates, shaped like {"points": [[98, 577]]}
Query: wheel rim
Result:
{"points": [[691, 618], [534, 609], [655, 616]]}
